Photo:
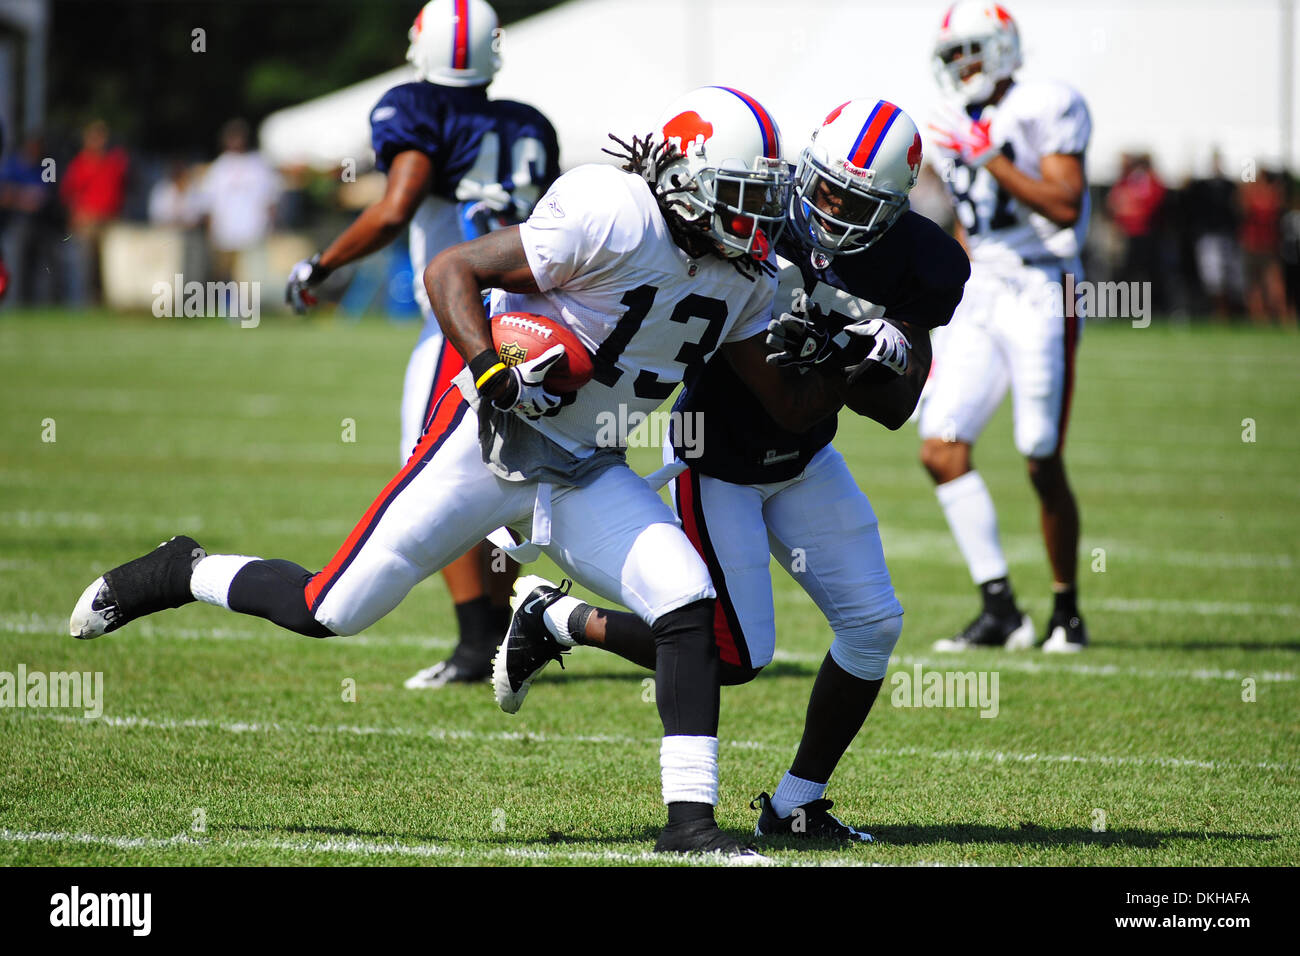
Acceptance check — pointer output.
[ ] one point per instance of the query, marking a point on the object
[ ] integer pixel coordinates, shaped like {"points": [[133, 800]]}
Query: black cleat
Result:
{"points": [[812, 821], [1066, 634], [154, 582], [703, 836], [1014, 632], [528, 646]]}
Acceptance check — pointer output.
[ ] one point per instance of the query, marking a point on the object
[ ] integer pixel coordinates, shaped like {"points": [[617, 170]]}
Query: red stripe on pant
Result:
{"points": [[1071, 346], [445, 369], [444, 417], [727, 633]]}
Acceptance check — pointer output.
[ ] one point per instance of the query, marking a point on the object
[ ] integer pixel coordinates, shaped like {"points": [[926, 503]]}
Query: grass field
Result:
{"points": [[224, 740]]}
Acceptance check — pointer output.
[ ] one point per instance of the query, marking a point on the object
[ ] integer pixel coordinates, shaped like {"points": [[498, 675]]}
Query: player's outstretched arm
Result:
{"points": [[796, 403], [409, 179], [892, 401]]}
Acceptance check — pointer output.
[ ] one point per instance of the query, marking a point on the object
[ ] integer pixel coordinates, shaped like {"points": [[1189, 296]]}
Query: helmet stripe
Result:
{"points": [[460, 37], [873, 134], [771, 139]]}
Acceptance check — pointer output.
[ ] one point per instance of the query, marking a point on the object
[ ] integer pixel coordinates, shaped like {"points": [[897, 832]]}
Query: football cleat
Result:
{"points": [[1015, 633], [703, 836], [812, 821], [1065, 635], [528, 646], [457, 669], [153, 582]]}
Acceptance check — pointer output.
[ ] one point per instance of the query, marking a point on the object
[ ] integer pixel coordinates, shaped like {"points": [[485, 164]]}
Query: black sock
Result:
{"points": [[686, 671], [999, 600], [274, 590], [683, 812], [474, 620], [1065, 603], [501, 615], [836, 711]]}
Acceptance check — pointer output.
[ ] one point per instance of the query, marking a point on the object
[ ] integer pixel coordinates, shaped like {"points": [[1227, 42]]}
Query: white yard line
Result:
{"points": [[439, 733], [419, 850]]}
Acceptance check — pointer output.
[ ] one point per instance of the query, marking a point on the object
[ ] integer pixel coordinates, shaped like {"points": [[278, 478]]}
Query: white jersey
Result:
{"points": [[1036, 118], [608, 268]]}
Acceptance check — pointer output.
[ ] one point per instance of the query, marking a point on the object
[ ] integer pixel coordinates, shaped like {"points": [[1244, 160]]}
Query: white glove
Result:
{"points": [[524, 394], [890, 348], [958, 137]]}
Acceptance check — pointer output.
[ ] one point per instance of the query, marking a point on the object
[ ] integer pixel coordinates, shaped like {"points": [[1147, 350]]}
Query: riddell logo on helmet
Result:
{"points": [[689, 129], [856, 171]]}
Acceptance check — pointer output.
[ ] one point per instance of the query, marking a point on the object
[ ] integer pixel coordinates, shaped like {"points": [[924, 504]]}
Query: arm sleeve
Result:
{"points": [[394, 129], [1067, 128], [575, 228]]}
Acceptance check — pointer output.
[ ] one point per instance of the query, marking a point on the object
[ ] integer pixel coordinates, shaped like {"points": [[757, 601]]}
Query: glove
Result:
{"points": [[958, 137], [524, 393], [304, 275], [889, 348], [798, 341]]}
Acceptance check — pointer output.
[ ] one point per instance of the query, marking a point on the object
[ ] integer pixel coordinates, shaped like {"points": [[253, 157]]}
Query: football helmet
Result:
{"points": [[455, 43], [978, 45], [727, 176], [853, 178]]}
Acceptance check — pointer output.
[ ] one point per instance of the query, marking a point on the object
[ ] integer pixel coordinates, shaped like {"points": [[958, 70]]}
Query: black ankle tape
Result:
{"points": [[156, 581]]}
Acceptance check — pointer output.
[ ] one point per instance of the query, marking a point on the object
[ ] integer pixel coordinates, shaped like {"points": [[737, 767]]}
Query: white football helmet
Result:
{"points": [[854, 177], [978, 45], [455, 43], [729, 177]]}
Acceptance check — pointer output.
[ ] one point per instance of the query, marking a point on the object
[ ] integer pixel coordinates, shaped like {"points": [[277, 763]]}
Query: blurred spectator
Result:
{"points": [[1134, 203], [28, 219], [171, 201], [1291, 254], [1262, 203], [1214, 221], [238, 194], [92, 189]]}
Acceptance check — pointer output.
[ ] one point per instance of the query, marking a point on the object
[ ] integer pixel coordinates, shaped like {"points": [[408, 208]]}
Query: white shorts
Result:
{"points": [[433, 363], [1010, 329], [819, 526], [615, 535]]}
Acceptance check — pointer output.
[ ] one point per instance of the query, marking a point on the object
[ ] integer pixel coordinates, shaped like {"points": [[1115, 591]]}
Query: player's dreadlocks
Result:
{"points": [[648, 159]]}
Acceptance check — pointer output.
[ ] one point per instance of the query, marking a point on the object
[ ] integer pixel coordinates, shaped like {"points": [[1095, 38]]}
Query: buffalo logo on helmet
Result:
{"points": [[914, 154], [689, 129]]}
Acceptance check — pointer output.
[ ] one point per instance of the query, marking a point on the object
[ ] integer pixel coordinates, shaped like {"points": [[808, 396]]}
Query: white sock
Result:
{"points": [[689, 766], [211, 577], [969, 509], [794, 792], [557, 620]]}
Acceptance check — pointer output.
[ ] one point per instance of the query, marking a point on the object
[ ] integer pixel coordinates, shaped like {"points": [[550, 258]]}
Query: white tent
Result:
{"points": [[1174, 77]]}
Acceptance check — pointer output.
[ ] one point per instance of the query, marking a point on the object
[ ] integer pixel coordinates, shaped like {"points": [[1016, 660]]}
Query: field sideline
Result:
{"points": [[226, 741]]}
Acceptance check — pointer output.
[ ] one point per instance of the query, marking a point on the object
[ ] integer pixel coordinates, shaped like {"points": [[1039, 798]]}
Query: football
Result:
{"points": [[522, 336]]}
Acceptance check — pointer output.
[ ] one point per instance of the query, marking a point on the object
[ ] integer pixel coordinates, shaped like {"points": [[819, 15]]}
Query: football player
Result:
{"points": [[458, 164], [866, 279], [1015, 171], [654, 267]]}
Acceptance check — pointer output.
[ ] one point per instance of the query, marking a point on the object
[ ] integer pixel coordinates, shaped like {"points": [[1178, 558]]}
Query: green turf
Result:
{"points": [[234, 435]]}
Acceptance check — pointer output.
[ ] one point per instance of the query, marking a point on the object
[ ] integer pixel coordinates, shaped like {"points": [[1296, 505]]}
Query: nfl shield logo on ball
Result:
{"points": [[512, 353]]}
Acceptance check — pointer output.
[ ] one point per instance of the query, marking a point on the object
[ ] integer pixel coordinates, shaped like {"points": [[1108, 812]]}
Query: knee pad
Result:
{"points": [[863, 649]]}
